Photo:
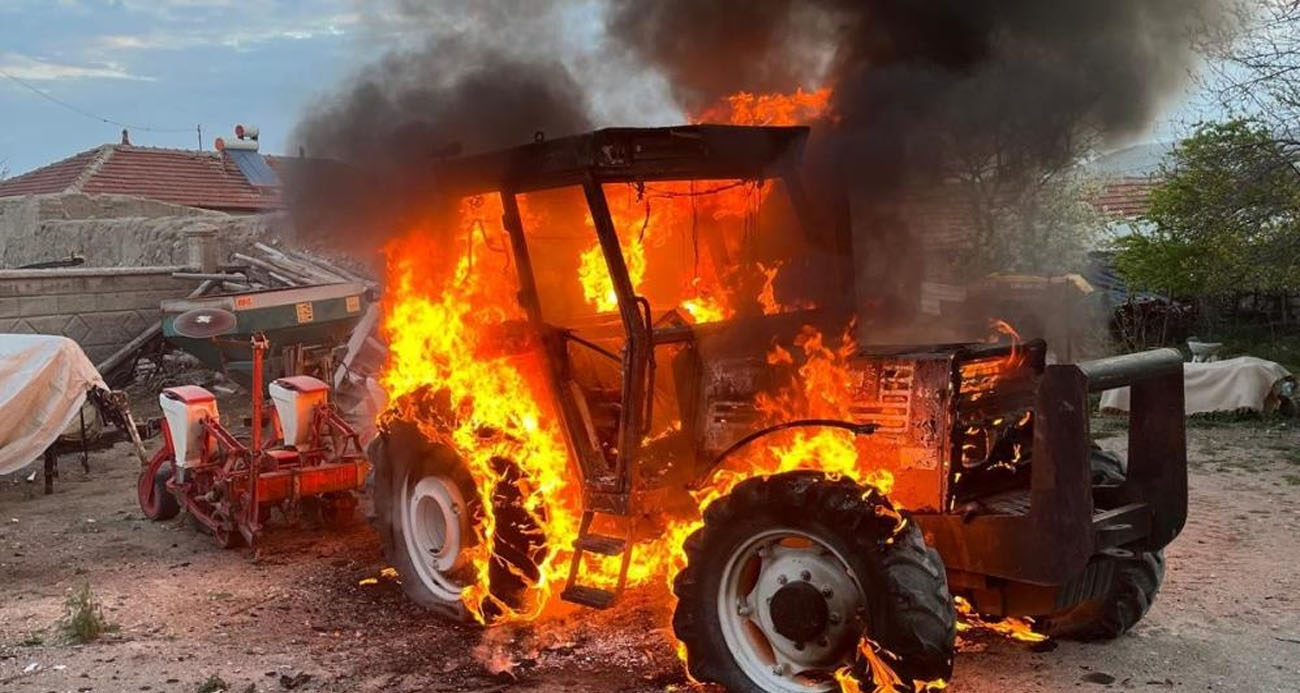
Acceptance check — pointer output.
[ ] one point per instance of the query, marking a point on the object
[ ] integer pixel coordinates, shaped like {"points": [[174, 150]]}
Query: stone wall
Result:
{"points": [[101, 309], [117, 230]]}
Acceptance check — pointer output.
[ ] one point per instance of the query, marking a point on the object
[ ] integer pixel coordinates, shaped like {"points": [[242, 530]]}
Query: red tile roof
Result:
{"points": [[58, 176], [209, 180], [1125, 198]]}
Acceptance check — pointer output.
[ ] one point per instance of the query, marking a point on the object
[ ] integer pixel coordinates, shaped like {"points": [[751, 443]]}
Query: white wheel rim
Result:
{"points": [[754, 572], [434, 525]]}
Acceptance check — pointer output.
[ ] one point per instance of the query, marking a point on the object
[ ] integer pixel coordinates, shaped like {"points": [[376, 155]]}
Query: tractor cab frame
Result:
{"points": [[638, 156]]}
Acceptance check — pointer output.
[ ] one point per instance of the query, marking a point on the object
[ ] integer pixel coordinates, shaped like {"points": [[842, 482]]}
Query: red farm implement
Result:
{"points": [[311, 461]]}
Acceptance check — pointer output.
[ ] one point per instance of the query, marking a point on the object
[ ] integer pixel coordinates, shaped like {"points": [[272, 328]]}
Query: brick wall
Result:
{"points": [[101, 309]]}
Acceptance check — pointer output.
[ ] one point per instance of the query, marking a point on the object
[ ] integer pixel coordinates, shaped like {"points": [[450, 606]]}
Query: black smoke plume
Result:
{"points": [[457, 89], [916, 82], [924, 90], [978, 101]]}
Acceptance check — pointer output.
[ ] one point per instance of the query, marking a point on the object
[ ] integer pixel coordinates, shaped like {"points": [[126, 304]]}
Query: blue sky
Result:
{"points": [[174, 64], [167, 64]]}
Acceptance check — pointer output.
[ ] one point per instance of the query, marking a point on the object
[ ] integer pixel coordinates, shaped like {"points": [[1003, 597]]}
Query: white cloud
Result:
{"points": [[242, 35], [27, 67]]}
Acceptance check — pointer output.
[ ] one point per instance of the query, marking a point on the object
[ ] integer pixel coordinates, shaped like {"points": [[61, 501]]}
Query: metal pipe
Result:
{"points": [[260, 345], [1128, 369]]}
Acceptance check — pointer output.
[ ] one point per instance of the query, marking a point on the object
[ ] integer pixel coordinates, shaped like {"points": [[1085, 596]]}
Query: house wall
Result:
{"points": [[116, 230], [101, 309]]}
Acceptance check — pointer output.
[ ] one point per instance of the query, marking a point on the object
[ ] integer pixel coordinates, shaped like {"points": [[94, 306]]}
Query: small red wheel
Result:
{"points": [[156, 501]]}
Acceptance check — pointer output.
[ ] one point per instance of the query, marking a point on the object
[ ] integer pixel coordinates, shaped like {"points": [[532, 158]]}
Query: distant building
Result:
{"points": [[1128, 175], [235, 181], [107, 227]]}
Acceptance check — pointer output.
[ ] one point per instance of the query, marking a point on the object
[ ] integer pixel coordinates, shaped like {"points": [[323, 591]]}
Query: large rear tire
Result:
{"points": [[789, 572], [427, 510], [422, 519]]}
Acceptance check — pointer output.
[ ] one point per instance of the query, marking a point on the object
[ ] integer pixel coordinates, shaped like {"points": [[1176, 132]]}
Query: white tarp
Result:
{"points": [[43, 382], [1241, 383]]}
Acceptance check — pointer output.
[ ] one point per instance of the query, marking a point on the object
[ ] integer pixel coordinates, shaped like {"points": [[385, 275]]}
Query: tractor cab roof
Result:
{"points": [[629, 155]]}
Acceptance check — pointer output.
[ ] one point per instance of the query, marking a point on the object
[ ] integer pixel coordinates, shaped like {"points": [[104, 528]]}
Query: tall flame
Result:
{"points": [[438, 341], [664, 208]]}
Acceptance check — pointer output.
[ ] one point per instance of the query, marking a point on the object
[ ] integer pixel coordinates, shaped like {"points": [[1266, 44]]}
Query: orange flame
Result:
{"points": [[883, 677], [436, 329], [1021, 629], [745, 108], [639, 222]]}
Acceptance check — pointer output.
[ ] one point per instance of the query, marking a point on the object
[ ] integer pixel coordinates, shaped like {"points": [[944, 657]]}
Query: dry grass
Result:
{"points": [[213, 684], [83, 618]]}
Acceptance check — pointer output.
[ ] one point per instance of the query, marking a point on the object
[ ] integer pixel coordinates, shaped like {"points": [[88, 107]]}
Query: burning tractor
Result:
{"points": [[624, 376]]}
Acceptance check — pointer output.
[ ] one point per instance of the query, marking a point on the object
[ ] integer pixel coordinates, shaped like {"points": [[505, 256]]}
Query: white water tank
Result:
{"points": [[296, 398], [184, 409]]}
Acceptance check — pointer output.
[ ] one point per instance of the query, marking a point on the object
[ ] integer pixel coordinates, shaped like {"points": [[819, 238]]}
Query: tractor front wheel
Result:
{"points": [[794, 577], [1134, 579]]}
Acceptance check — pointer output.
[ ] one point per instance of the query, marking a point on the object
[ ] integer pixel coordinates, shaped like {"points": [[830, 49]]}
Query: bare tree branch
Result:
{"points": [[1255, 62]]}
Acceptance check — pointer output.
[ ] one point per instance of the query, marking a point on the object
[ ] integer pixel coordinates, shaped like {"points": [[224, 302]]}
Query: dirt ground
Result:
{"points": [[296, 617]]}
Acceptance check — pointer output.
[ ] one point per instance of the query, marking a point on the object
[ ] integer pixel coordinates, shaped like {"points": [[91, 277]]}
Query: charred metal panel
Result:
{"points": [[728, 411], [906, 396]]}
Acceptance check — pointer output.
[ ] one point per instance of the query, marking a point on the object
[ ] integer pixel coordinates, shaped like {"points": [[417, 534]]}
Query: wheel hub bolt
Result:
{"points": [[744, 610], [834, 617], [781, 579], [779, 670], [805, 576], [828, 592]]}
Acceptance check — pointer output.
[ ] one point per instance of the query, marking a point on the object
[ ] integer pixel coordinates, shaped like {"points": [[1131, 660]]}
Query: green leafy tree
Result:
{"points": [[1225, 218]]}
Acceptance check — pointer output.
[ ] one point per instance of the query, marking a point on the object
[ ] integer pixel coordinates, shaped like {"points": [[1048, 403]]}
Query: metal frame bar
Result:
{"points": [[636, 356], [590, 160], [590, 459]]}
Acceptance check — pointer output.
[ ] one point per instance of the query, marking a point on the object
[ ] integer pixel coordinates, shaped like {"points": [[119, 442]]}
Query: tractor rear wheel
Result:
{"points": [[423, 520], [792, 576], [427, 514], [156, 502]]}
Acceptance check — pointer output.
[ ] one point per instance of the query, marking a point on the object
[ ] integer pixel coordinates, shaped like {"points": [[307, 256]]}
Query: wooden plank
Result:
{"points": [[274, 271]]}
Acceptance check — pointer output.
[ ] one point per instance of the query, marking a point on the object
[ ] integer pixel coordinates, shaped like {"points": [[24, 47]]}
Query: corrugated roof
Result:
{"points": [[209, 180]]}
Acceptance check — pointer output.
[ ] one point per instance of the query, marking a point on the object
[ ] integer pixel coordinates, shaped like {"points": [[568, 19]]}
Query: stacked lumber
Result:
{"points": [[268, 267]]}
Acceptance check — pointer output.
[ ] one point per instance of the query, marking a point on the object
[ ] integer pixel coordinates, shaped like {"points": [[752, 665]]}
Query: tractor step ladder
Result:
{"points": [[590, 542]]}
